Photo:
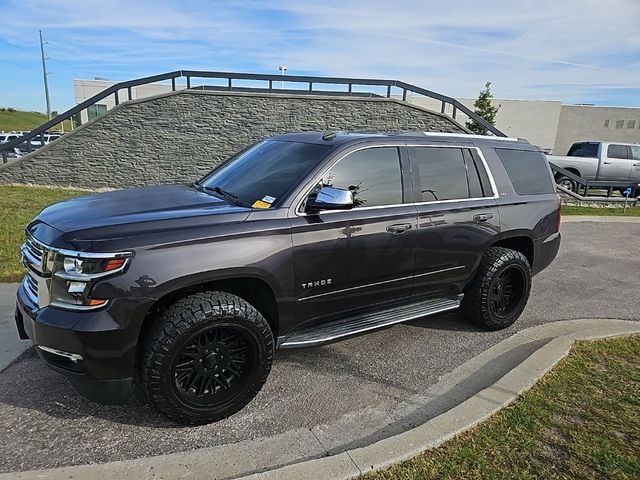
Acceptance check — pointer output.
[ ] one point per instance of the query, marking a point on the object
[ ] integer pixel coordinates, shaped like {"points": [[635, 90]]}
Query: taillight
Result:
{"points": [[559, 216]]}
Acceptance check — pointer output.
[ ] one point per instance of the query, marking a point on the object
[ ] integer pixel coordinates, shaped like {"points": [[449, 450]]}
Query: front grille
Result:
{"points": [[31, 288], [35, 250]]}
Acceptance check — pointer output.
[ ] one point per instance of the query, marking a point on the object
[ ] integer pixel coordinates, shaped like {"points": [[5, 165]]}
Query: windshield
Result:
{"points": [[260, 176]]}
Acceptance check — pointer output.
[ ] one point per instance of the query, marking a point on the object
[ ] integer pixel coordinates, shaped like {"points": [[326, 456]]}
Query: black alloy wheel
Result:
{"points": [[506, 294], [214, 365]]}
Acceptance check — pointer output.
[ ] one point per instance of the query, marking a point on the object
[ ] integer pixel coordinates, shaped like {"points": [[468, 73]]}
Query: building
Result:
{"points": [[549, 124]]}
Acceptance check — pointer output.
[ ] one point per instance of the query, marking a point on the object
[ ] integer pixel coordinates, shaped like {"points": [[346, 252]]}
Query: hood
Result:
{"points": [[137, 209]]}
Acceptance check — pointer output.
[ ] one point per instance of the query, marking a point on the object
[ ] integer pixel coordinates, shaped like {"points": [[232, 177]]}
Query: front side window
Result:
{"points": [[635, 153], [617, 151], [442, 173], [372, 174], [263, 174]]}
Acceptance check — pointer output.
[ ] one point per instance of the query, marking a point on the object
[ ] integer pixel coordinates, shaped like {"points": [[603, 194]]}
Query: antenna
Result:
{"points": [[44, 74]]}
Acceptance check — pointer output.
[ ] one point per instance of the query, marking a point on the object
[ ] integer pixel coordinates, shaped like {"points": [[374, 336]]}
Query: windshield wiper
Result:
{"points": [[228, 196]]}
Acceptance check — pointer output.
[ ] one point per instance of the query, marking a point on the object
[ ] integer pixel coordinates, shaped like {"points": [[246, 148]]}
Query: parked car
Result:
{"points": [[602, 161], [183, 293]]}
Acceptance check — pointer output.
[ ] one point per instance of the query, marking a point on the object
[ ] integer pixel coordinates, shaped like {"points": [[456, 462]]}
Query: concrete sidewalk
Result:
{"points": [[10, 345]]}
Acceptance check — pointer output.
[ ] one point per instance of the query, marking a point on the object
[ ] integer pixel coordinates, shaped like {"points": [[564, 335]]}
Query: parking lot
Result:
{"points": [[43, 423]]}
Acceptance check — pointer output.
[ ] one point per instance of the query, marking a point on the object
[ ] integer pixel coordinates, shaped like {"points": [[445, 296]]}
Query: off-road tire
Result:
{"points": [[177, 326], [479, 293]]}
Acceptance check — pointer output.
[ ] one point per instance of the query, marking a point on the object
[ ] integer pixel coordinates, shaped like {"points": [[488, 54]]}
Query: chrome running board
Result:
{"points": [[325, 332]]}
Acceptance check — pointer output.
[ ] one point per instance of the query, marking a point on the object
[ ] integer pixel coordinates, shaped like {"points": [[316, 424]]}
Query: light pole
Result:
{"points": [[282, 68]]}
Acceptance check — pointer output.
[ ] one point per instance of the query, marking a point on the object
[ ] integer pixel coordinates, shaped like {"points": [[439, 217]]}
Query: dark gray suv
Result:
{"points": [[182, 293]]}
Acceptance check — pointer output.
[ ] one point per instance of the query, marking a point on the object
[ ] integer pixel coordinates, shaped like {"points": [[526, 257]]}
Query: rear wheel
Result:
{"points": [[498, 293], [567, 183], [207, 357]]}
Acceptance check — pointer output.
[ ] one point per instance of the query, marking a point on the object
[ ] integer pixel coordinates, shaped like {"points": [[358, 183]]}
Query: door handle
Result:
{"points": [[398, 228], [636, 164], [482, 217], [607, 163]]}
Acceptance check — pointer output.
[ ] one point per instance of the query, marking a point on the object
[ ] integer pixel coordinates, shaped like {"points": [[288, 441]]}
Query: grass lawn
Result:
{"points": [[582, 420], [19, 120], [575, 210], [18, 206]]}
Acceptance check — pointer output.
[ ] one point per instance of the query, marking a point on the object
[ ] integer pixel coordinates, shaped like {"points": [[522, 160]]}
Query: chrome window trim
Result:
{"points": [[342, 290], [492, 182]]}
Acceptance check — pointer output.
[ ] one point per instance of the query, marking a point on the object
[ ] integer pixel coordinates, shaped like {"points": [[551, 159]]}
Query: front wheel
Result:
{"points": [[207, 357], [498, 293]]}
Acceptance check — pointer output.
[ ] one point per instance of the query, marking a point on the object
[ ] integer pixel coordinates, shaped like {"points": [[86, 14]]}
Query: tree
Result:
{"points": [[485, 109]]}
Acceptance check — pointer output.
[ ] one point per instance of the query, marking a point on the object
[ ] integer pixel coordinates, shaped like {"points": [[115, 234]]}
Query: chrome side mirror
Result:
{"points": [[329, 198]]}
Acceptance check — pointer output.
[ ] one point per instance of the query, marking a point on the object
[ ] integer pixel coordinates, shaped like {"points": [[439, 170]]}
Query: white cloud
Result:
{"points": [[571, 50]]}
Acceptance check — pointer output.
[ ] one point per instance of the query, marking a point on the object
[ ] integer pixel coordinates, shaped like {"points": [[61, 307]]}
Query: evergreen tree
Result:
{"points": [[485, 109]]}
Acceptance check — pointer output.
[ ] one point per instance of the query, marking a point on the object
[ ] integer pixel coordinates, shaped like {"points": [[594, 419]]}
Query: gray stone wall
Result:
{"points": [[180, 136]]}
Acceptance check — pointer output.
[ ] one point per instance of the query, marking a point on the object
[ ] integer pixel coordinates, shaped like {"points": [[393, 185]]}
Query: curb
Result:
{"points": [[438, 430], [599, 219], [299, 451]]}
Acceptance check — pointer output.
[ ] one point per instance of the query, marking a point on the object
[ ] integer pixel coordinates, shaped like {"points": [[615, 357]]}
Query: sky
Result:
{"points": [[576, 51]]}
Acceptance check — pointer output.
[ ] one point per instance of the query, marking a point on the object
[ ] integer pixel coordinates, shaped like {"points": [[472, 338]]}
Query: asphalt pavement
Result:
{"points": [[370, 380]]}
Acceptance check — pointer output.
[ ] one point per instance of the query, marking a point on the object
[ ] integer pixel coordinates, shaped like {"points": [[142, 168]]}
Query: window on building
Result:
{"points": [[372, 174], [631, 124], [619, 123], [606, 124], [442, 173], [96, 110], [528, 171]]}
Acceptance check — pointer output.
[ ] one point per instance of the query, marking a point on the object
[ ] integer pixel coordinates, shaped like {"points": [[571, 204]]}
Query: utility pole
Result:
{"points": [[44, 74]]}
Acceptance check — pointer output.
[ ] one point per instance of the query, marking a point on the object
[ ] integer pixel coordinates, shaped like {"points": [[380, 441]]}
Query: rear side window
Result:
{"points": [[618, 151], [583, 150], [372, 174], [528, 171], [442, 173]]}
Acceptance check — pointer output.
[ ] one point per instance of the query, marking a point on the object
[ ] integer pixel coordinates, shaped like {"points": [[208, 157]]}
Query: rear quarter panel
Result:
{"points": [[532, 216]]}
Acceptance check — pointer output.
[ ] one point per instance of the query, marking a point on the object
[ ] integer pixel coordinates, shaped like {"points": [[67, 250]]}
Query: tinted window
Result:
{"points": [[442, 173], [528, 171], [583, 150], [372, 174], [265, 172], [617, 151]]}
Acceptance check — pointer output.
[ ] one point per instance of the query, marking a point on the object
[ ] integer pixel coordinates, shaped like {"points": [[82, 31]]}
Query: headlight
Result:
{"points": [[82, 266], [75, 274]]}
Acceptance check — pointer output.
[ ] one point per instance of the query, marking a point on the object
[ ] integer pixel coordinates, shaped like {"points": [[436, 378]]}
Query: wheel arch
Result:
{"points": [[252, 288], [520, 243]]}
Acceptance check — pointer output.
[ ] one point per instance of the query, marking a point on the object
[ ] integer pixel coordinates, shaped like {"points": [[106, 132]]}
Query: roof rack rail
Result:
{"points": [[466, 135]]}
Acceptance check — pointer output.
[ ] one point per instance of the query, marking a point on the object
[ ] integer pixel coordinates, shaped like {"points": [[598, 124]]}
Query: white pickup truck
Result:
{"points": [[600, 161]]}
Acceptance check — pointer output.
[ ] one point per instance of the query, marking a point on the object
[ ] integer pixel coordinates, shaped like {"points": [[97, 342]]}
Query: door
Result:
{"points": [[353, 259], [616, 164], [634, 176], [457, 216]]}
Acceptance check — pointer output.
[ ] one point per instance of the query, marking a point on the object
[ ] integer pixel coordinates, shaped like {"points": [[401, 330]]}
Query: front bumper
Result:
{"points": [[92, 349]]}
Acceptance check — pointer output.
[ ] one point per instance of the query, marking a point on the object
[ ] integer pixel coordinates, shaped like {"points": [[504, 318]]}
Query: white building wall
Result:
{"points": [[582, 123]]}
